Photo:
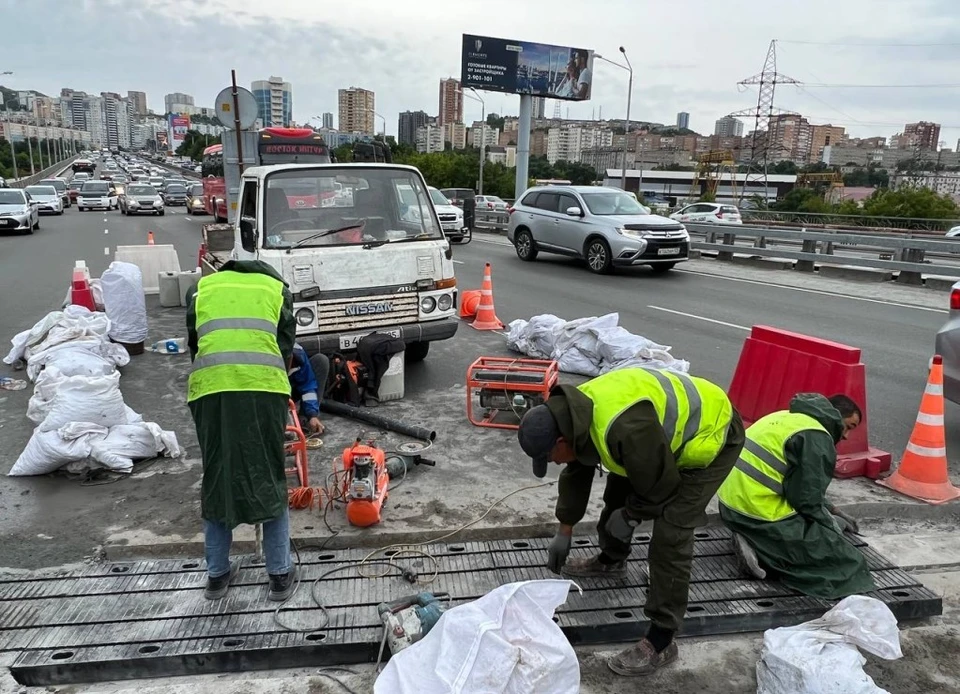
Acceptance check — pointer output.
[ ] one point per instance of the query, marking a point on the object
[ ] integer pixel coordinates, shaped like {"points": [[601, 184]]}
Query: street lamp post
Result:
{"points": [[384, 131], [626, 123], [483, 134]]}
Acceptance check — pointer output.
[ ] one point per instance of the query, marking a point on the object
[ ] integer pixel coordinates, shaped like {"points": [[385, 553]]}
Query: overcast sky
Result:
{"points": [[687, 56]]}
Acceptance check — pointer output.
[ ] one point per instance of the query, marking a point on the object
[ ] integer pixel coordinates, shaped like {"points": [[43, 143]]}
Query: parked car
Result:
{"points": [[47, 198], [195, 199], [18, 212], [97, 194], [604, 226], [708, 213], [451, 216], [139, 198], [174, 194], [456, 196], [61, 186], [491, 203]]}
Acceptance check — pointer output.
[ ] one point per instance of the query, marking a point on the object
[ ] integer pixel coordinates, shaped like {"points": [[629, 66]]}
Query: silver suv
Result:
{"points": [[607, 227]]}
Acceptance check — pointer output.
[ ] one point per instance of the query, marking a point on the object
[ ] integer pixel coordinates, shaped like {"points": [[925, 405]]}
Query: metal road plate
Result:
{"points": [[136, 619]]}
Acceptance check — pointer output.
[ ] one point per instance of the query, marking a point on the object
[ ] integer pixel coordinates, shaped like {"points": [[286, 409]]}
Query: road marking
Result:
{"points": [[106, 250], [704, 318], [822, 292], [458, 262], [105, 219], [106, 231]]}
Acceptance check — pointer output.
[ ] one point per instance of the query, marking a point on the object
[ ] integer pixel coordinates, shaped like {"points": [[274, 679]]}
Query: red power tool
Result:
{"points": [[366, 484]]}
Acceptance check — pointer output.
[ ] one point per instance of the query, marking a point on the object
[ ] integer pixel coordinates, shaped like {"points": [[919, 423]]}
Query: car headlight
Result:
{"points": [[133, 203], [428, 304], [634, 233], [304, 317], [445, 302]]}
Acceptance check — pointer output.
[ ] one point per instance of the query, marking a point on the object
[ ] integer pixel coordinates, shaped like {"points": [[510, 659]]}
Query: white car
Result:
{"points": [[451, 217], [98, 195], [953, 233], [47, 198], [708, 213], [17, 211], [489, 203]]}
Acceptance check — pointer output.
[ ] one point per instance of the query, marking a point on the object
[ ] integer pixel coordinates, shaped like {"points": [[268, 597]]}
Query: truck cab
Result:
{"points": [[359, 245]]}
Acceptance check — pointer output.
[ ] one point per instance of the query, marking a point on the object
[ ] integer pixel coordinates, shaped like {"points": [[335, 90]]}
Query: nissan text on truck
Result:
{"points": [[359, 245]]}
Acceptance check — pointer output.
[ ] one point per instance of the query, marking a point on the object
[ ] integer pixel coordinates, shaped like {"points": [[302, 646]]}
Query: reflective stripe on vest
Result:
{"points": [[754, 487], [695, 413], [237, 350]]}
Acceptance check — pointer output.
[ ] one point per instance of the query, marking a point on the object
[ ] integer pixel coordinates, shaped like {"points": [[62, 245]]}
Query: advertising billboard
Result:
{"points": [[520, 67], [177, 125]]}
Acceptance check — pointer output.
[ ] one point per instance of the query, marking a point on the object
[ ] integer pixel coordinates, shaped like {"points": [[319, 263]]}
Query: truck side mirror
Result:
{"points": [[248, 234]]}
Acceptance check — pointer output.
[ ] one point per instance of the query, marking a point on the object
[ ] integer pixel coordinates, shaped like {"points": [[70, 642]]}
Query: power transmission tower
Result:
{"points": [[556, 109], [762, 140]]}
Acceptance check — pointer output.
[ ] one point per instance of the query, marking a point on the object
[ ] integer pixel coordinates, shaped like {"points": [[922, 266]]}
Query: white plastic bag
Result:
{"points": [[93, 399], [821, 656], [505, 642], [129, 442], [48, 451], [124, 301]]}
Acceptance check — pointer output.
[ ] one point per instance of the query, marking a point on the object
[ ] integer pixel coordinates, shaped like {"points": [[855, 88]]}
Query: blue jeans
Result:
{"points": [[276, 546]]}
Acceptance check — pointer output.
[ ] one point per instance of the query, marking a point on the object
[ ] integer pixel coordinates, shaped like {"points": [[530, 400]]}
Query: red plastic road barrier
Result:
{"points": [[80, 292], [776, 364]]}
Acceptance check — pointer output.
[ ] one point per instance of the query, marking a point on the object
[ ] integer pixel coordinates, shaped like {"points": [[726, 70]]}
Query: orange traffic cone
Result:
{"points": [[486, 316], [923, 470], [469, 301], [150, 238]]}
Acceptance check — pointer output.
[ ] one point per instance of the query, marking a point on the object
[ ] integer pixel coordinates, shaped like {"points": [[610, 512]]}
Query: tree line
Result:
{"points": [[41, 160]]}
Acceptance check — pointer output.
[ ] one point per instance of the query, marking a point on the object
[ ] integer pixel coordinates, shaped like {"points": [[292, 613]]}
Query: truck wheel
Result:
{"points": [[416, 351]]}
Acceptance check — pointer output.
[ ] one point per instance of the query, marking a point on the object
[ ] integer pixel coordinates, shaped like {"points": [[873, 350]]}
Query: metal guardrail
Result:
{"points": [[25, 181], [812, 219], [898, 253], [497, 222]]}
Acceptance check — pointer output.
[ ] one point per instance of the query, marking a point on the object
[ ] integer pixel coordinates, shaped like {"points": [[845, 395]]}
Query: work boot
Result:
{"points": [[217, 587], [747, 558], [283, 585], [642, 659], [592, 567]]}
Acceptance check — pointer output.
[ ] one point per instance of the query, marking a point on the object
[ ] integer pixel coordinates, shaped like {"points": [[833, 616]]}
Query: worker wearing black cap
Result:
{"points": [[667, 441]]}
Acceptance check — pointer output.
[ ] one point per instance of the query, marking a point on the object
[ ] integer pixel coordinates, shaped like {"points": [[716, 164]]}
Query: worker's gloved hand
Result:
{"points": [[621, 526], [558, 551], [315, 425], [845, 521]]}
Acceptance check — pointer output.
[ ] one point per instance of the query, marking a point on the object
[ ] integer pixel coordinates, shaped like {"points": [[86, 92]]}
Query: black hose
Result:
{"points": [[344, 410]]}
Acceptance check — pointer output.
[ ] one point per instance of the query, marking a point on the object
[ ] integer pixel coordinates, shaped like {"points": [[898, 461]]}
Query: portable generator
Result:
{"points": [[505, 389], [366, 484]]}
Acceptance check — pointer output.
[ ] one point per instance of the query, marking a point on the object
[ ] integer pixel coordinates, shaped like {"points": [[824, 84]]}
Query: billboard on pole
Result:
{"points": [[521, 67], [177, 125]]}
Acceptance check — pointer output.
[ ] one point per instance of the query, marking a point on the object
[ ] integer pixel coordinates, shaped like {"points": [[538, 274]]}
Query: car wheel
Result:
{"points": [[661, 268], [160, 213], [59, 213], [526, 249], [36, 225], [416, 351], [598, 256]]}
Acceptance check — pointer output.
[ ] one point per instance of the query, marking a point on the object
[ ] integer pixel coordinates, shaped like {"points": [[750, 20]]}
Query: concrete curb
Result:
{"points": [[844, 272]]}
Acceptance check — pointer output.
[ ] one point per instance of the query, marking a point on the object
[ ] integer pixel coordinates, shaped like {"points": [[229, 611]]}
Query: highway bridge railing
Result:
{"points": [[905, 254], [495, 222], [846, 221], [53, 170]]}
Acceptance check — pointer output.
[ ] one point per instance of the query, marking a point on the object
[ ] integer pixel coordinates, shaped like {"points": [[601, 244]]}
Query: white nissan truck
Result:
{"points": [[359, 245]]}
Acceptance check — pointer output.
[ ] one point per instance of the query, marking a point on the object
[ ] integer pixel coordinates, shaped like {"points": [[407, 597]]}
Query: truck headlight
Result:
{"points": [[445, 302], [304, 317], [428, 304]]}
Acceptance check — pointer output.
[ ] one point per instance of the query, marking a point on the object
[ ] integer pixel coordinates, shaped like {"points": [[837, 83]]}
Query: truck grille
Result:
{"points": [[342, 315]]}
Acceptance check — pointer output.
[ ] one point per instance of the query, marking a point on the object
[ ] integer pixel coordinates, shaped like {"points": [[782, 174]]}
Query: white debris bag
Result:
{"points": [[821, 656], [92, 399], [124, 301], [505, 642], [126, 443], [536, 338], [48, 451], [74, 323]]}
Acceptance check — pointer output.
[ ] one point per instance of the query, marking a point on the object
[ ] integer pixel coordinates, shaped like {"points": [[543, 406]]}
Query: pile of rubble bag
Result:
{"points": [[589, 346], [81, 420]]}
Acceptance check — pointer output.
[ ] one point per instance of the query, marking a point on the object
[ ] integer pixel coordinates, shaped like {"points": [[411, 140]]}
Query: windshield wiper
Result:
{"points": [[327, 232]]}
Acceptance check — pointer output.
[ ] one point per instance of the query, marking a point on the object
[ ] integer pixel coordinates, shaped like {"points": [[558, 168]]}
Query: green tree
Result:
{"points": [[194, 142], [785, 168], [910, 202]]}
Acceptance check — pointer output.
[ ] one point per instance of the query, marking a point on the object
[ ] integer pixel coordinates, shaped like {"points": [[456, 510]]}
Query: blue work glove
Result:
{"points": [[558, 551], [621, 526]]}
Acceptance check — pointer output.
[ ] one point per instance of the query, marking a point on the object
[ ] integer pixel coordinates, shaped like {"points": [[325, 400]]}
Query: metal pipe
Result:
{"points": [[364, 415]]}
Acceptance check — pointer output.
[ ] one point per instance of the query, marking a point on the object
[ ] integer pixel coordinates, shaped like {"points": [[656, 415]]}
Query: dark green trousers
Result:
{"points": [[671, 546]]}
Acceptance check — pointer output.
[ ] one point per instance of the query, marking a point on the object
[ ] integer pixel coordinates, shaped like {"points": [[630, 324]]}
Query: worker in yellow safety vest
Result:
{"points": [[667, 441], [241, 332], [774, 500]]}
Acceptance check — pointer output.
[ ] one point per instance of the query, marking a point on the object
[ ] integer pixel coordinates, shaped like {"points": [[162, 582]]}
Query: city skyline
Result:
{"points": [[403, 65]]}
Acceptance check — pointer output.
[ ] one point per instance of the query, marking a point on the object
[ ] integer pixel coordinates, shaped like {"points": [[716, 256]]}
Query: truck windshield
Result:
{"points": [[369, 206]]}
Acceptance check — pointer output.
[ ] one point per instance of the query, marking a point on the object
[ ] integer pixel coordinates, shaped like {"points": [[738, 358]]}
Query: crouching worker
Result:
{"points": [[241, 329], [307, 380], [774, 500], [667, 441]]}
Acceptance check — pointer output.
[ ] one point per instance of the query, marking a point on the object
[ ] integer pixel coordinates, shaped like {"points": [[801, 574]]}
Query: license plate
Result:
{"points": [[350, 341], [668, 251]]}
